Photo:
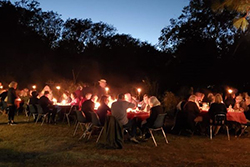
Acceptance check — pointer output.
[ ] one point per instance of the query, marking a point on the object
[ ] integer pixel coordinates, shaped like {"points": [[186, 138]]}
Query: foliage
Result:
{"points": [[170, 101], [241, 6], [42, 43], [198, 22]]}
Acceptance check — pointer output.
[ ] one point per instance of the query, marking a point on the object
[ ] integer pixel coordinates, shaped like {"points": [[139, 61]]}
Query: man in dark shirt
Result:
{"points": [[89, 106], [47, 106]]}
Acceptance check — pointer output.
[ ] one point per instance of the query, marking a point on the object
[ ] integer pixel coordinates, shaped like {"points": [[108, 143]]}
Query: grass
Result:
{"points": [[29, 144]]}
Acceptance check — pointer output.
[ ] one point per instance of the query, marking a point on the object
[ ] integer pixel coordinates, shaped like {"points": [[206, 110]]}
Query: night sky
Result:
{"points": [[142, 19]]}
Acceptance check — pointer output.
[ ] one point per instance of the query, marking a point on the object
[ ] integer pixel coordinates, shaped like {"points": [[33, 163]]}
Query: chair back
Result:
{"points": [[219, 119], [32, 109], [39, 109], [159, 122], [95, 119], [80, 116]]}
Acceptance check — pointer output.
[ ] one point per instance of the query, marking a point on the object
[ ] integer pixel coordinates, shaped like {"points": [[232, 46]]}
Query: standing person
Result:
{"points": [[10, 100], [101, 88], [119, 111]]}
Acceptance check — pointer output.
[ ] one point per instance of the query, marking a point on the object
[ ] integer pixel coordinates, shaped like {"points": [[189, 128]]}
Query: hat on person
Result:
{"points": [[102, 80]]}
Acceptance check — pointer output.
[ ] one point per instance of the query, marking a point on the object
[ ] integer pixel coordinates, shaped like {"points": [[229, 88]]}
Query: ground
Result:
{"points": [[29, 144]]}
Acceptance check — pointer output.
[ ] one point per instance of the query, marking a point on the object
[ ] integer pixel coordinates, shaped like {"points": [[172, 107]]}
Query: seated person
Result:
{"points": [[155, 110], [65, 97], [247, 112], [74, 100], [191, 110], [86, 97], [104, 109], [119, 111], [33, 99], [144, 106], [229, 100], [240, 104], [218, 107], [47, 105], [89, 106], [130, 99]]}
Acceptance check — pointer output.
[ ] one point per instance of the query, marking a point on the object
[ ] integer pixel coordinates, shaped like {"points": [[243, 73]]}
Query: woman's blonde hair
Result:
{"points": [[218, 98], [154, 101], [12, 84]]}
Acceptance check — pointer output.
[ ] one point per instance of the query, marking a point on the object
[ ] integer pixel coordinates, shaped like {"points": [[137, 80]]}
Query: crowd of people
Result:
{"points": [[188, 110], [84, 101]]}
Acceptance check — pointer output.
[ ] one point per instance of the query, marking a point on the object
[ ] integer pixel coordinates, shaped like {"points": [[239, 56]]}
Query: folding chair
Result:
{"points": [[95, 123], [41, 114], [243, 128], [219, 120], [158, 124], [81, 120], [32, 110], [68, 114]]}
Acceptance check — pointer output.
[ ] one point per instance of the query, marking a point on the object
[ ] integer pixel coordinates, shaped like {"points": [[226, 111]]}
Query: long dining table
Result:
{"points": [[140, 115], [234, 116]]}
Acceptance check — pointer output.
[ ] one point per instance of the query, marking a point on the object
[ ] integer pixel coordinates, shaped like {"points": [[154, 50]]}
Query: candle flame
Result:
{"points": [[97, 105], [139, 90]]}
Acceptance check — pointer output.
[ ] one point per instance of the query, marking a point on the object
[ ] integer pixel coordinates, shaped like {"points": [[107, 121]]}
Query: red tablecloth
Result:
{"points": [[140, 115], [237, 117], [231, 116]]}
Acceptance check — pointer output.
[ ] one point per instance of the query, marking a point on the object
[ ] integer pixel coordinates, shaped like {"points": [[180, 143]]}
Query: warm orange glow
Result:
{"points": [[107, 90], [139, 90], [131, 110], [230, 91], [97, 105], [54, 100], [18, 99], [1, 87], [63, 102], [34, 87], [58, 87]]}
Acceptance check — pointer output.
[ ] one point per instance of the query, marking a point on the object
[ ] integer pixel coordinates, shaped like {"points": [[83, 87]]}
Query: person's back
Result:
{"points": [[44, 103], [87, 107], [217, 108], [119, 110], [191, 108]]}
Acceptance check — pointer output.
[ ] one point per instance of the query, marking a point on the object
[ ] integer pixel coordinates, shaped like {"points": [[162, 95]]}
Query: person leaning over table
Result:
{"points": [[155, 110], [10, 100], [119, 111]]}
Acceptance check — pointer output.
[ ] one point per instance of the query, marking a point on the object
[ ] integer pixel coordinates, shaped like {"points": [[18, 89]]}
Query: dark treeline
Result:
{"points": [[199, 48]]}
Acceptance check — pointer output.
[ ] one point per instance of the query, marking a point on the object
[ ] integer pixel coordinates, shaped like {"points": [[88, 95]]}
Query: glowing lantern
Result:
{"points": [[34, 87]]}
